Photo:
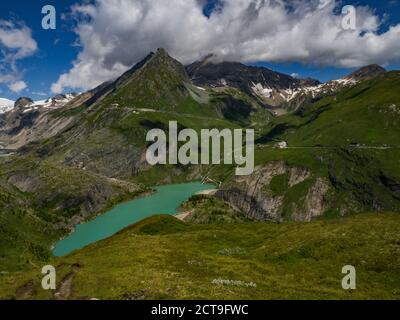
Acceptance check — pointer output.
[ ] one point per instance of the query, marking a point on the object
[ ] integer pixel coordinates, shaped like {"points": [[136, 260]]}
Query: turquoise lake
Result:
{"points": [[166, 200]]}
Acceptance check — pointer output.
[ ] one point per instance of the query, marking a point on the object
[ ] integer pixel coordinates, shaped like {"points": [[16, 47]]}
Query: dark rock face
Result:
{"points": [[240, 76], [367, 73], [309, 82], [23, 102], [13, 122], [22, 121], [60, 97], [250, 204]]}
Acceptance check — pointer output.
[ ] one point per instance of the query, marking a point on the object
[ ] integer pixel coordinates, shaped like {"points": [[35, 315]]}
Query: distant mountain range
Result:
{"points": [[277, 91], [6, 105], [27, 103], [232, 89]]}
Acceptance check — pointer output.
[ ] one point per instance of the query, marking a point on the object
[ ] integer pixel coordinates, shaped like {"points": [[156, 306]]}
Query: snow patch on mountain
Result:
{"points": [[265, 92], [51, 103], [6, 105], [290, 94]]}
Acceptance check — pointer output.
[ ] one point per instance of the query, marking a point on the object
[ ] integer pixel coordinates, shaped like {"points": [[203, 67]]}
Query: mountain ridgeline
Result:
{"points": [[74, 159], [259, 81]]}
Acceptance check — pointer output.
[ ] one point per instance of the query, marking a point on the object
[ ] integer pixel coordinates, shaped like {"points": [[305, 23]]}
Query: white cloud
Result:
{"points": [[114, 34], [18, 86], [16, 43], [17, 38]]}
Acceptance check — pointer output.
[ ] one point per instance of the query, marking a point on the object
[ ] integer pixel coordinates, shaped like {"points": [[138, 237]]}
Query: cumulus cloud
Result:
{"points": [[114, 34], [16, 43], [18, 86]]}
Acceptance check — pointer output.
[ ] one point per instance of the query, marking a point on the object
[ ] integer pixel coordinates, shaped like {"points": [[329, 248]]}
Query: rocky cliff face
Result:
{"points": [[23, 102], [20, 126], [270, 194], [68, 194], [28, 121]]}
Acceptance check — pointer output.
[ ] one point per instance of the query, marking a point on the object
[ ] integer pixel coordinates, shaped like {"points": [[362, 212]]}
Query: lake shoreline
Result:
{"points": [[164, 199], [144, 194]]}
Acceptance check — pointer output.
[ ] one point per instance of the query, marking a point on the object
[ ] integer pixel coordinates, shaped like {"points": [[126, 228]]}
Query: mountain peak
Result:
{"points": [[161, 52], [23, 102], [156, 80], [367, 73]]}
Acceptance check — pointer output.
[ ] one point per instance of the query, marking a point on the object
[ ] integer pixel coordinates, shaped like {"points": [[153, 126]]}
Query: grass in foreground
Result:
{"points": [[163, 258]]}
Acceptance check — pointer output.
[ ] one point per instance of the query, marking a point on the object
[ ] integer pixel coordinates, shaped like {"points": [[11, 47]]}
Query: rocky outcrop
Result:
{"points": [[23, 102], [298, 175], [23, 182], [70, 195], [367, 73], [20, 127], [253, 196], [314, 204]]}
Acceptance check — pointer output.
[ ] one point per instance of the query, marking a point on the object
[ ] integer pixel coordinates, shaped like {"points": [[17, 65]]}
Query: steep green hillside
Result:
{"points": [[25, 237], [108, 136], [98, 159], [163, 258], [367, 114], [343, 156], [40, 201]]}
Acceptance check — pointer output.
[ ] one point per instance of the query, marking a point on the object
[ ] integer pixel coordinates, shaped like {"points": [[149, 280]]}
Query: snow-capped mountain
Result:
{"points": [[276, 90], [295, 98], [56, 102], [27, 104], [6, 105], [249, 79]]}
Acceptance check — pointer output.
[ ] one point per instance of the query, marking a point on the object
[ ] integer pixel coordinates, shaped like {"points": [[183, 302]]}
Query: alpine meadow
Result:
{"points": [[151, 150]]}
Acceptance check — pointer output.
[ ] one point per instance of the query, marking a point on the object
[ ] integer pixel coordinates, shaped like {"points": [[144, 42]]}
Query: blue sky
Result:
{"points": [[57, 49]]}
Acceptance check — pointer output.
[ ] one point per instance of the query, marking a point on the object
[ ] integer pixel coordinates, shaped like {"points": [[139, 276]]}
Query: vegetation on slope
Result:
{"points": [[367, 114], [205, 209], [40, 201], [349, 141], [164, 258]]}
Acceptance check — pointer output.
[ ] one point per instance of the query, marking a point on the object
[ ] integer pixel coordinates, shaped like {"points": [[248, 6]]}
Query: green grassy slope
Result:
{"points": [[351, 140], [41, 200], [25, 238], [366, 114], [163, 258]]}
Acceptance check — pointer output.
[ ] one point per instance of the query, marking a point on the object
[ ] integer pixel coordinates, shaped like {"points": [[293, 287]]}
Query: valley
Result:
{"points": [[324, 192]]}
